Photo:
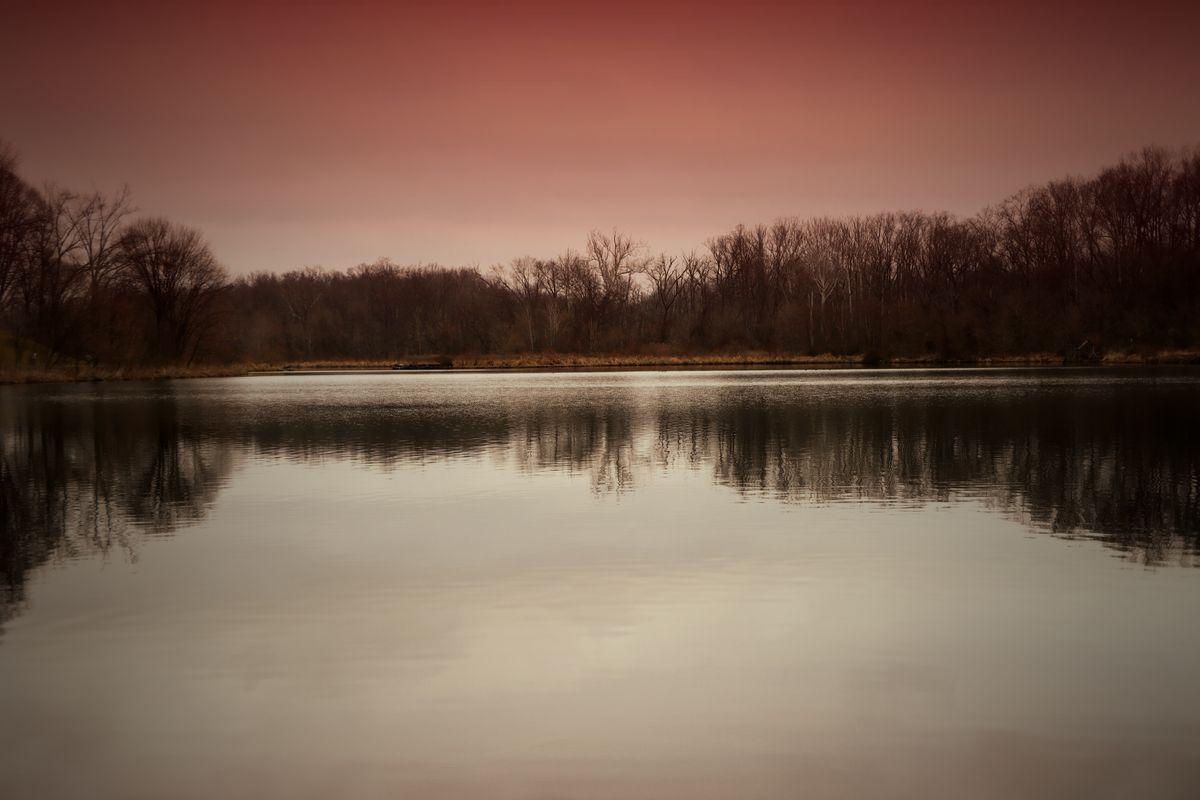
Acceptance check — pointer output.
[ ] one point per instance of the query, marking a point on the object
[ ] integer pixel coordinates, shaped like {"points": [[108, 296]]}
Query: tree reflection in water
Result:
{"points": [[85, 472], [84, 479]]}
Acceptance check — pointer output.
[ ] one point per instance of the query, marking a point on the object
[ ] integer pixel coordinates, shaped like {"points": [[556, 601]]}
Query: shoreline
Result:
{"points": [[568, 361]]}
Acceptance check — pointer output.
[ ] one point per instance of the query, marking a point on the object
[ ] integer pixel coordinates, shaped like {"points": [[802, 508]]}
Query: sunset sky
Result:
{"points": [[299, 133]]}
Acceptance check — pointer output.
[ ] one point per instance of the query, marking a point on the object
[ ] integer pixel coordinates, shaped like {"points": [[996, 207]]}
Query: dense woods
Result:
{"points": [[1112, 260]]}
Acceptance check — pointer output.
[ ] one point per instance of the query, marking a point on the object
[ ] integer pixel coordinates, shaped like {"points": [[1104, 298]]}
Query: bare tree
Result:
{"points": [[823, 254], [19, 206], [667, 281], [178, 275], [97, 219], [612, 261], [523, 280], [302, 290], [52, 273], [555, 282], [614, 256]]}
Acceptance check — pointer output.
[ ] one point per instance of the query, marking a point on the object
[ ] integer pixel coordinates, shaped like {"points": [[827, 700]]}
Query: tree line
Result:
{"points": [[1112, 259]]}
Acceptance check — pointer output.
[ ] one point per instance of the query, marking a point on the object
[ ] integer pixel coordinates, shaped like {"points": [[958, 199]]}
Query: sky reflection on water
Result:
{"points": [[603, 585]]}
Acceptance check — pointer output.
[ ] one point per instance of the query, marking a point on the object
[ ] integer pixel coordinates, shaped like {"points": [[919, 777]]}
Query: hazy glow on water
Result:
{"points": [[748, 584]]}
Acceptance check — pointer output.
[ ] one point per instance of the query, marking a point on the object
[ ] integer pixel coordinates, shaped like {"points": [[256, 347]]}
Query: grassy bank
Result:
{"points": [[799, 360], [72, 374], [536, 361]]}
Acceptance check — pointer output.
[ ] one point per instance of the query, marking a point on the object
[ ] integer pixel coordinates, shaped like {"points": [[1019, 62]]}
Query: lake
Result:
{"points": [[750, 584]]}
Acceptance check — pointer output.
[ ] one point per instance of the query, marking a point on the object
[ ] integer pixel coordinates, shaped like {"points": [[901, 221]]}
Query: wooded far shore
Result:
{"points": [[1103, 269]]}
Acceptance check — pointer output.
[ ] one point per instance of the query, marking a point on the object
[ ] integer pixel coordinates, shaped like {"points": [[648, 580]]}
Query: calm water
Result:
{"points": [[609, 585]]}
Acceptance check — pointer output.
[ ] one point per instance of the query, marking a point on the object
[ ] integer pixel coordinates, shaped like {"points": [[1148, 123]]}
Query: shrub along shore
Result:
{"points": [[574, 361]]}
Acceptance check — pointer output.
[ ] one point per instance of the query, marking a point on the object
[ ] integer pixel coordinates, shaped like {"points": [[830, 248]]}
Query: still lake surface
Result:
{"points": [[752, 584]]}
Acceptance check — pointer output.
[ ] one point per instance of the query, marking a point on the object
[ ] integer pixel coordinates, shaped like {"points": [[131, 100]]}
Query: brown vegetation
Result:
{"points": [[1079, 271], [568, 361]]}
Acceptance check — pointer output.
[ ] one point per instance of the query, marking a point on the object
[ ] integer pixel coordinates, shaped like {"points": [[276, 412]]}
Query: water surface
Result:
{"points": [[612, 585]]}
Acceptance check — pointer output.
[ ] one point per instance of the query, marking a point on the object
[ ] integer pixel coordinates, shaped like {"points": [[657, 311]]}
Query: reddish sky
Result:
{"points": [[301, 133]]}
